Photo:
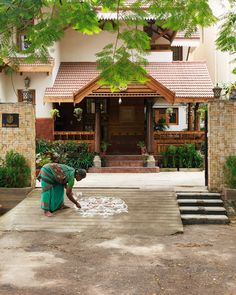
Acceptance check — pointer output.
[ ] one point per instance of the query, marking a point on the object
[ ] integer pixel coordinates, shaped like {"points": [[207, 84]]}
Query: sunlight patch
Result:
{"points": [[101, 206]]}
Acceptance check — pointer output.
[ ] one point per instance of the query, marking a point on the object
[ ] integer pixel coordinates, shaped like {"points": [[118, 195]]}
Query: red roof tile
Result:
{"points": [[186, 79]]}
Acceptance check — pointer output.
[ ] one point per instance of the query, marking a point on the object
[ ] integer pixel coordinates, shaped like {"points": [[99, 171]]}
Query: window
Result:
{"points": [[23, 42], [177, 52], [90, 106], [26, 95], [170, 118]]}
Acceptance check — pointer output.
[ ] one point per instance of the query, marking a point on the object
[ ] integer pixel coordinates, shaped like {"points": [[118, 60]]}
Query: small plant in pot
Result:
{"points": [[142, 146], [104, 147], [161, 125], [169, 111], [232, 91], [55, 113], [78, 113]]}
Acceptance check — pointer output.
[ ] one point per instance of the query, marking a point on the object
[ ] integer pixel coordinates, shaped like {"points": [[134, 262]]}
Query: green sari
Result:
{"points": [[53, 178]]}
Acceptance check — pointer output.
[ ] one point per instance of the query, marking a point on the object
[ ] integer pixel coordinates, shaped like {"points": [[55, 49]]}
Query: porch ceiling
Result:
{"points": [[175, 81], [20, 65]]}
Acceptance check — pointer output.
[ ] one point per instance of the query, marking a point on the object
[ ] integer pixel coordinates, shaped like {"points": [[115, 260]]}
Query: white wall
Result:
{"points": [[162, 56], [39, 82], [219, 63], [2, 87], [77, 47], [161, 103]]}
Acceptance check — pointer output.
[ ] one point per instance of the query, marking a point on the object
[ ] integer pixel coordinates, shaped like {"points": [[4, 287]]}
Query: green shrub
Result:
{"points": [[230, 171], [70, 153], [43, 146], [14, 171], [185, 156]]}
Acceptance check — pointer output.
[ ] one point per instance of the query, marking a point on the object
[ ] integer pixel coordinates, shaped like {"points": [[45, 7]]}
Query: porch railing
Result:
{"points": [[78, 136], [162, 139]]}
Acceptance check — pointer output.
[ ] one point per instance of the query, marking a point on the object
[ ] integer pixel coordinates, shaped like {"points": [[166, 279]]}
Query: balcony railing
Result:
{"points": [[162, 139], [78, 136]]}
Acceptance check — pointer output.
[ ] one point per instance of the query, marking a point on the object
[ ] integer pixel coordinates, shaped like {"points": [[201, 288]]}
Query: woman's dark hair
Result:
{"points": [[81, 173]]}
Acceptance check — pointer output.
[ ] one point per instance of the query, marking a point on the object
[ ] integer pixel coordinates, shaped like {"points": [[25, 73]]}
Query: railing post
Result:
{"points": [[206, 148], [149, 104], [190, 117], [97, 126], [196, 118]]}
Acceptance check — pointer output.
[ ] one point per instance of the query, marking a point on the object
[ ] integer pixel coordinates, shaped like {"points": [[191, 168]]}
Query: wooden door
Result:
{"points": [[125, 125]]}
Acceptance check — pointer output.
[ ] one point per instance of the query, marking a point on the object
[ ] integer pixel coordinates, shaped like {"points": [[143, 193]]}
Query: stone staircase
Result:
{"points": [[202, 208], [123, 164]]}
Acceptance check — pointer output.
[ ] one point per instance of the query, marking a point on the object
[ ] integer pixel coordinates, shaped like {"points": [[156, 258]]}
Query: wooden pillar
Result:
{"points": [[196, 118], [97, 126], [190, 117], [149, 105]]}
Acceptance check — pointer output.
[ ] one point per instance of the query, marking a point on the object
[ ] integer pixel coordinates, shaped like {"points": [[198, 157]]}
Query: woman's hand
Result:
{"points": [[78, 205]]}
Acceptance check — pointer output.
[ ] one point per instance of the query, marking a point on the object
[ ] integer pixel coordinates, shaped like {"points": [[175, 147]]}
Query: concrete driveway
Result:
{"points": [[179, 180], [151, 212]]}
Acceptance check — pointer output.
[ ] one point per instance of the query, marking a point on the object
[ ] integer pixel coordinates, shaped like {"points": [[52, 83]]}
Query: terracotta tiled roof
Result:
{"points": [[71, 77], [186, 79]]}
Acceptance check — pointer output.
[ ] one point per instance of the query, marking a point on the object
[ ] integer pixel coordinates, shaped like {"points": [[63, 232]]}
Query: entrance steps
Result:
{"points": [[202, 208], [123, 164]]}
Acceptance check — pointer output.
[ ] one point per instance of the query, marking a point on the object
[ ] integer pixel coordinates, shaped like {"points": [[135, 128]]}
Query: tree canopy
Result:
{"points": [[45, 21], [226, 40]]}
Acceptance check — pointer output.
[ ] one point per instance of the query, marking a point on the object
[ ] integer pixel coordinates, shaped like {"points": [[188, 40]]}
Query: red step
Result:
{"points": [[123, 157], [124, 170], [119, 163]]}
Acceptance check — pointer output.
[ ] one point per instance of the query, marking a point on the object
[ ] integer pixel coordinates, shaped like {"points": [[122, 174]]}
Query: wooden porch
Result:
{"points": [[161, 139], [78, 136]]}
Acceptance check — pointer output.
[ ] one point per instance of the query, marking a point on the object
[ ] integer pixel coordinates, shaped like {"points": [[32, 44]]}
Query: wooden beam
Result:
{"points": [[57, 99], [86, 90], [192, 99], [35, 69]]}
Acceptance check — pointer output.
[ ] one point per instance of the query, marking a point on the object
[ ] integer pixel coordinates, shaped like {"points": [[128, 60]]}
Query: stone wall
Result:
{"points": [[221, 139], [22, 138]]}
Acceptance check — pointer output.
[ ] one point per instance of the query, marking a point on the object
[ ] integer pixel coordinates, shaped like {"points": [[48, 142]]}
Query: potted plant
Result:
{"points": [[169, 111], [104, 147], [55, 113], [78, 113], [232, 91], [161, 125], [142, 146]]}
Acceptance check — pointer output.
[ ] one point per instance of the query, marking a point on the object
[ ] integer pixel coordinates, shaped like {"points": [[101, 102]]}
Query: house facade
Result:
{"points": [[177, 85]]}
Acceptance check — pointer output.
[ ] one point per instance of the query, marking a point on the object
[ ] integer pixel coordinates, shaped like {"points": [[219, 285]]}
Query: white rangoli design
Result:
{"points": [[99, 205]]}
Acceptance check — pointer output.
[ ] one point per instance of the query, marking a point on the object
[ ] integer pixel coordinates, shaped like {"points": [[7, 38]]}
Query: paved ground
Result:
{"points": [[96, 262], [143, 180], [42, 256], [150, 212]]}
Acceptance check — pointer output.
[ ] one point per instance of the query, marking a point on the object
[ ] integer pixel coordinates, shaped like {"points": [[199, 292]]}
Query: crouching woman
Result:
{"points": [[54, 178]]}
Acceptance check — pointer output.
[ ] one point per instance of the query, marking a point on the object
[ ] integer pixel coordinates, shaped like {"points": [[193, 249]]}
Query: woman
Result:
{"points": [[54, 178]]}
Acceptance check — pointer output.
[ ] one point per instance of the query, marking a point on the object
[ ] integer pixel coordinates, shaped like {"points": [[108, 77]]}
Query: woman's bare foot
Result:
{"points": [[48, 214], [63, 206]]}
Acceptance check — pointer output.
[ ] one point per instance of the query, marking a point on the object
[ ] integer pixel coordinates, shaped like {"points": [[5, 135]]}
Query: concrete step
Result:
{"points": [[123, 157], [203, 210], [198, 195], [204, 219], [124, 170], [200, 202], [124, 163]]}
